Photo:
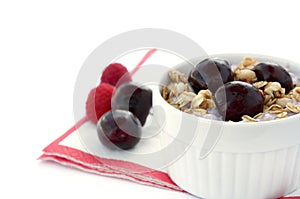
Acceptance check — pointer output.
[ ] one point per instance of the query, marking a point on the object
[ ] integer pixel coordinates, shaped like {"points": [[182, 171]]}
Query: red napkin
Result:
{"points": [[69, 156], [85, 161]]}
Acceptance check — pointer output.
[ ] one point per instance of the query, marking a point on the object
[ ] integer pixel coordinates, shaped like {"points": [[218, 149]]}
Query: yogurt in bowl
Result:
{"points": [[234, 159]]}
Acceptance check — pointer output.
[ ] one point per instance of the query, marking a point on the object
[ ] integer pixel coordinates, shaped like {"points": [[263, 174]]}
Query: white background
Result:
{"points": [[43, 45]]}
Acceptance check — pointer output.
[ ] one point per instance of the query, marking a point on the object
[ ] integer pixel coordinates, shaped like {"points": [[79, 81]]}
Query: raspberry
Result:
{"points": [[114, 73], [99, 101], [99, 98]]}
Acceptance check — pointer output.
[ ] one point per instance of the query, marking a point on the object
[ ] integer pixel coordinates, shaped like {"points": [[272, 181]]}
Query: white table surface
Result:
{"points": [[43, 45]]}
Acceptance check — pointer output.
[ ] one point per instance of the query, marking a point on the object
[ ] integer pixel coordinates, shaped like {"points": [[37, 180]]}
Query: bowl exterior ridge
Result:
{"points": [[225, 175]]}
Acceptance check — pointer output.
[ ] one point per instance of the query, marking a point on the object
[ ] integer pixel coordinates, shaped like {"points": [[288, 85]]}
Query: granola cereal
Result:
{"points": [[277, 103], [246, 75], [283, 101], [247, 63], [185, 99], [203, 100], [293, 107], [260, 84], [177, 88], [176, 76], [249, 119], [296, 94], [274, 89]]}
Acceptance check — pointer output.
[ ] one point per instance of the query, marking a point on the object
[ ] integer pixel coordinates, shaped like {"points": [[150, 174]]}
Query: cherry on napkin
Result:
{"points": [[67, 150]]}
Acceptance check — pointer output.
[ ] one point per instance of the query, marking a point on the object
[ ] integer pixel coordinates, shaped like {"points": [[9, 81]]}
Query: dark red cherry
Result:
{"points": [[135, 98], [119, 129], [238, 98], [272, 72], [210, 74]]}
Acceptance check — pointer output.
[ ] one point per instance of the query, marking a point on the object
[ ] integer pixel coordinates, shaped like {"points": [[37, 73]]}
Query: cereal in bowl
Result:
{"points": [[255, 91]]}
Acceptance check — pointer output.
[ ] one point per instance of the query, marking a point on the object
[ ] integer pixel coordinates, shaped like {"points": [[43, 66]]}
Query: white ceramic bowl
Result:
{"points": [[249, 160]]}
